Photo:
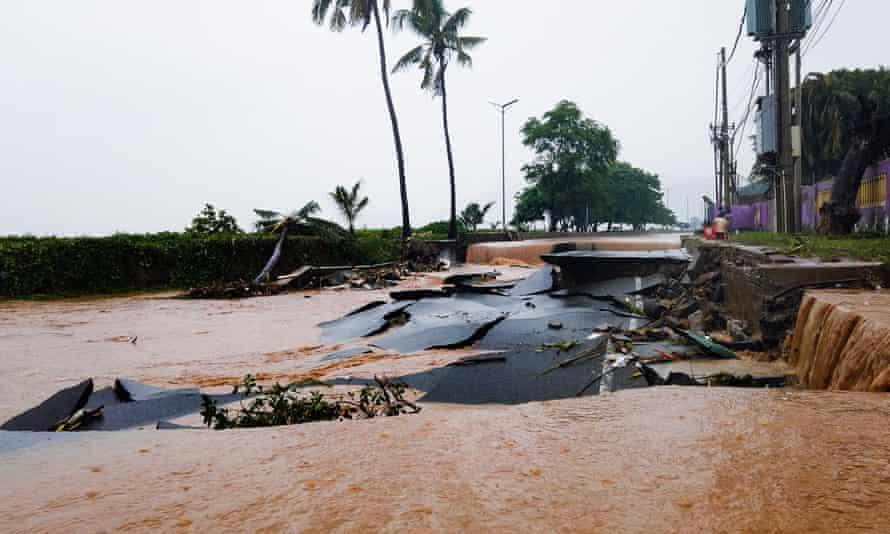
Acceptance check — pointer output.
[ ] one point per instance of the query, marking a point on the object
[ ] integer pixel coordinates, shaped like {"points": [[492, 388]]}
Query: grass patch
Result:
{"points": [[864, 247]]}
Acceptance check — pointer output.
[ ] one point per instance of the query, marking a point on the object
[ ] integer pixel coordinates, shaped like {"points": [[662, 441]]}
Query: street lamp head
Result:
{"points": [[503, 106]]}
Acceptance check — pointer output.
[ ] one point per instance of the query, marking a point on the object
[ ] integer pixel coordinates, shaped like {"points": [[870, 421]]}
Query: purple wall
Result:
{"points": [[745, 216], [810, 216]]}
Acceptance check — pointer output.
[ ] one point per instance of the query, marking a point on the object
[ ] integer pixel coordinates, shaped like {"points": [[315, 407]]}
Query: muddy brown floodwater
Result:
{"points": [[656, 460], [653, 460]]}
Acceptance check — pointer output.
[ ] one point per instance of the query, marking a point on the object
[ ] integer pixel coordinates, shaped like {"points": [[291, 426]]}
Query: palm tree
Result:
{"points": [[349, 203], [361, 12], [273, 221], [440, 31]]}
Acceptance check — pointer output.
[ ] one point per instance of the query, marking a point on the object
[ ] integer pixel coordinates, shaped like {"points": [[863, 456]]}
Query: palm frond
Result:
{"points": [[464, 59], [320, 10], [469, 43], [387, 7], [268, 214], [457, 20], [410, 59], [338, 20], [310, 208]]}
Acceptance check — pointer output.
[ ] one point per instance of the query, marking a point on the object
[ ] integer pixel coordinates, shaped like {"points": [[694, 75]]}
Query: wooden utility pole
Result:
{"points": [[784, 199], [726, 168]]}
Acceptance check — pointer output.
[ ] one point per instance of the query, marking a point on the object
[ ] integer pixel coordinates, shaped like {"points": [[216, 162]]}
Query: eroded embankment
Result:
{"points": [[842, 340]]}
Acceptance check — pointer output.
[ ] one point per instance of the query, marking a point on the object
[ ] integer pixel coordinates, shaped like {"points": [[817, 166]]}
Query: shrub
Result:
{"points": [[32, 266]]}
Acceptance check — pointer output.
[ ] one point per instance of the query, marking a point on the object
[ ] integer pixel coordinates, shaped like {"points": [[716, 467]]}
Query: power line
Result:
{"points": [[743, 124], [820, 17], [739, 36], [828, 28]]}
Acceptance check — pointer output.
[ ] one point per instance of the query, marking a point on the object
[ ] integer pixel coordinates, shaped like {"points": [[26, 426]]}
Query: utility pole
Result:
{"points": [[798, 155], [726, 168], [785, 170], [503, 110]]}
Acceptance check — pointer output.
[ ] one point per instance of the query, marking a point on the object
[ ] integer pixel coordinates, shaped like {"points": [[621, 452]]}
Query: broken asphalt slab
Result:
{"points": [[52, 411], [364, 322], [442, 323], [542, 281], [520, 378]]}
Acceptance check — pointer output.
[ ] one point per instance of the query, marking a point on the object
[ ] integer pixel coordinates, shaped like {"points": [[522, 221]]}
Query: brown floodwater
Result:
{"points": [[653, 460]]}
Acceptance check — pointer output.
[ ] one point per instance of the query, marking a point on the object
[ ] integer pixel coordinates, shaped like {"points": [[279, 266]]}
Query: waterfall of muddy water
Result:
{"points": [[842, 340], [530, 251], [654, 460]]}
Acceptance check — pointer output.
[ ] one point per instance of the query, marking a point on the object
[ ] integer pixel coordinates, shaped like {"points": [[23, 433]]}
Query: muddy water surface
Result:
{"points": [[658, 460]]}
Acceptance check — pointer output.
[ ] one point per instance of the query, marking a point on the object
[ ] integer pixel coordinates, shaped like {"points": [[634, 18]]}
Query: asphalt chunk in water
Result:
{"points": [[521, 378], [362, 322], [53, 410], [542, 281], [442, 323]]}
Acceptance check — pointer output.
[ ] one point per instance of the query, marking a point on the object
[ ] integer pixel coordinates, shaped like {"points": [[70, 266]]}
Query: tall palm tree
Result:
{"points": [[349, 203], [339, 13], [440, 31]]}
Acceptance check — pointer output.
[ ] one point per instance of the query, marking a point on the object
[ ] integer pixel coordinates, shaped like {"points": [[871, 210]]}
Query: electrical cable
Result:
{"points": [[828, 28], [738, 37]]}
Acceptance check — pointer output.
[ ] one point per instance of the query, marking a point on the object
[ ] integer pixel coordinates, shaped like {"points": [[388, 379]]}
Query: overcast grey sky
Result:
{"points": [[124, 115]]}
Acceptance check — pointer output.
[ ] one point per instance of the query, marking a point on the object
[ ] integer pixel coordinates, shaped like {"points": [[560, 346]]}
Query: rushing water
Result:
{"points": [[842, 340]]}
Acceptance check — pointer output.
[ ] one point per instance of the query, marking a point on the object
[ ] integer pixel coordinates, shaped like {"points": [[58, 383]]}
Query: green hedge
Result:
{"points": [[71, 266]]}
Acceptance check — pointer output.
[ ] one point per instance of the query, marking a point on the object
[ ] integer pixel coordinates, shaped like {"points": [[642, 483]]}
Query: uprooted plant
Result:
{"points": [[283, 405]]}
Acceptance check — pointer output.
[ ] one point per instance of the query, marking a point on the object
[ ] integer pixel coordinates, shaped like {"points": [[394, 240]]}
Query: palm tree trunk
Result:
{"points": [[840, 215], [273, 260], [452, 221], [397, 138]]}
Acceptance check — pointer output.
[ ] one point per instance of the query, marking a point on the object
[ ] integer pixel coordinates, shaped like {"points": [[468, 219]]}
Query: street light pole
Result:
{"points": [[503, 110]]}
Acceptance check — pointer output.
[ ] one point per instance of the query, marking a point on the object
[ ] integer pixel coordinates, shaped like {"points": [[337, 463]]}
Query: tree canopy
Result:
{"points": [[474, 214], [575, 176], [210, 221]]}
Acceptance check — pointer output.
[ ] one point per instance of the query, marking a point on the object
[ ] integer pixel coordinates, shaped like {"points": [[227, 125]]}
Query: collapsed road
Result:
{"points": [[695, 458], [580, 326]]}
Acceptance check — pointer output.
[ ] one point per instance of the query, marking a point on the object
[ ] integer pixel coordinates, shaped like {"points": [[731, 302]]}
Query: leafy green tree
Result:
{"points": [[209, 221], [530, 207], [474, 214], [636, 197], [350, 203], [442, 43], [572, 155], [339, 14]]}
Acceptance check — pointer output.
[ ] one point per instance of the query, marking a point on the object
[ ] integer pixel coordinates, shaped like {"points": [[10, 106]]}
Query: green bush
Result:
{"points": [[70, 266], [378, 246]]}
